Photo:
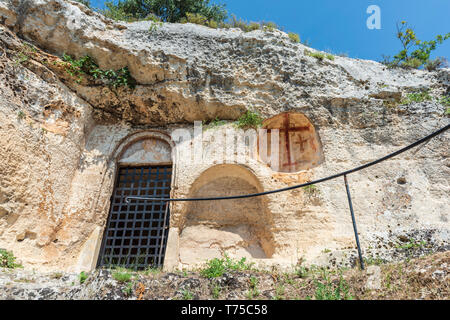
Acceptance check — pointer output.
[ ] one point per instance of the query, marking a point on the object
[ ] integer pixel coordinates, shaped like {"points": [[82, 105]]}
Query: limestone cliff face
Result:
{"points": [[58, 135]]}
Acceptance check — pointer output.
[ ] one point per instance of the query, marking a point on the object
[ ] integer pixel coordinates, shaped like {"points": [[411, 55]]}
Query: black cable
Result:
{"points": [[432, 135]]}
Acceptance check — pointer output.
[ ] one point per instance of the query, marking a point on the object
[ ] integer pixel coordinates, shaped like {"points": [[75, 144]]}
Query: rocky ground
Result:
{"points": [[426, 277]]}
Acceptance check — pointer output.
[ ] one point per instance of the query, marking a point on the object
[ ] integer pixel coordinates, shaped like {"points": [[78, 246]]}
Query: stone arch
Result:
{"points": [[299, 143], [240, 227], [147, 155], [137, 148]]}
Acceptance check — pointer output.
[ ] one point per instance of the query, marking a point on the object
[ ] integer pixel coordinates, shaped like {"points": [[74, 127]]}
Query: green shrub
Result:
{"points": [[87, 66], [166, 10], [421, 50], [294, 37], [217, 267], [329, 56], [249, 119], [8, 260]]}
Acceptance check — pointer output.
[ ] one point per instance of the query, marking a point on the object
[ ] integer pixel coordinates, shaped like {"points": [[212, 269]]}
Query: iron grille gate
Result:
{"points": [[136, 233]]}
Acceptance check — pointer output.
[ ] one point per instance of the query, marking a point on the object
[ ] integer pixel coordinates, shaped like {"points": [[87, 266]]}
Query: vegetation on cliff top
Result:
{"points": [[415, 53], [200, 12]]}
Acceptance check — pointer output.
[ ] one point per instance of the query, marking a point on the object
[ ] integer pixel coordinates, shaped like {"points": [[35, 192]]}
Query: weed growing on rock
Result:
{"points": [[311, 189], [216, 289], [318, 55], [418, 97], [294, 37], [128, 290], [329, 56], [213, 124], [82, 277], [187, 295], [217, 267], [87, 66], [411, 244], [8, 260], [253, 282], [21, 58], [20, 115], [269, 26], [250, 119]]}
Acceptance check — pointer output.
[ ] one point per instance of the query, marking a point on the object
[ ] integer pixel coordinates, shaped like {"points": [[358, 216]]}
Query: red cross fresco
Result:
{"points": [[290, 140]]}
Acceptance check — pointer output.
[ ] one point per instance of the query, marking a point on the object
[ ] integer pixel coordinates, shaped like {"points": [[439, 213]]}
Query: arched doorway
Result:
{"points": [[241, 227], [136, 231], [299, 143]]}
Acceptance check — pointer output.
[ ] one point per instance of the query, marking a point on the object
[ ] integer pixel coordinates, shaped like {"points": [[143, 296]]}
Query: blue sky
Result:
{"points": [[340, 26]]}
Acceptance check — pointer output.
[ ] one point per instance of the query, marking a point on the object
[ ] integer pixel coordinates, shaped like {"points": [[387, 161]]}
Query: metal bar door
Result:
{"points": [[136, 233]]}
